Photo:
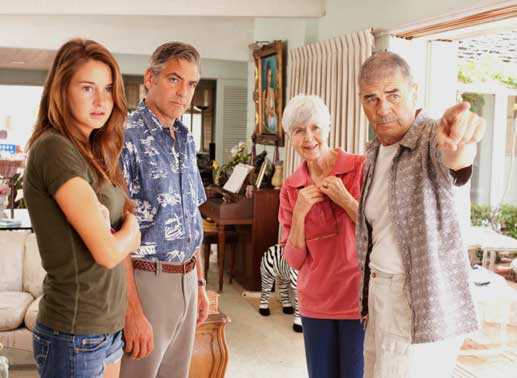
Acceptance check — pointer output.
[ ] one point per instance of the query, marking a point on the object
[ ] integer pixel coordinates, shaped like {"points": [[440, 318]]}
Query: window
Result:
{"points": [[18, 113], [193, 119]]}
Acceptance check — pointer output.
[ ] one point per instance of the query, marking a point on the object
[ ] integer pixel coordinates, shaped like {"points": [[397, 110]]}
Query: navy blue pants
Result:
{"points": [[333, 348]]}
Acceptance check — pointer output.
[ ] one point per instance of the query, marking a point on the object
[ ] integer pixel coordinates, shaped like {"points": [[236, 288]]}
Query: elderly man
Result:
{"points": [[166, 289], [415, 290]]}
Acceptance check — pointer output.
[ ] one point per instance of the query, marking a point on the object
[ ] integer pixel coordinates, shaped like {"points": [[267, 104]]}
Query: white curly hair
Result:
{"points": [[304, 109]]}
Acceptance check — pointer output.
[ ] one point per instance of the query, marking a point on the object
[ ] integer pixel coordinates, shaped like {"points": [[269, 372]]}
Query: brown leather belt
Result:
{"points": [[151, 266]]}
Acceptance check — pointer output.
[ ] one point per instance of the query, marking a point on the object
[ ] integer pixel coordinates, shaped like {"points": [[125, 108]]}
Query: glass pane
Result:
{"points": [[510, 164], [186, 118], [18, 113], [482, 104], [196, 130]]}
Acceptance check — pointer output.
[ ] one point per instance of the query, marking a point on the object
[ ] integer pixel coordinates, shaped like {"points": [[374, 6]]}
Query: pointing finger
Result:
{"points": [[446, 143], [479, 132], [453, 112], [456, 120], [471, 124]]}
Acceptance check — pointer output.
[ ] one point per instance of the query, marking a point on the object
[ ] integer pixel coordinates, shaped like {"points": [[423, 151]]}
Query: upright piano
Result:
{"points": [[256, 222]]}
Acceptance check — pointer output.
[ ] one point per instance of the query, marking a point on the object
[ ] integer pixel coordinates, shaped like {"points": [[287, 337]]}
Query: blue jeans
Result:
{"points": [[65, 355], [333, 348]]}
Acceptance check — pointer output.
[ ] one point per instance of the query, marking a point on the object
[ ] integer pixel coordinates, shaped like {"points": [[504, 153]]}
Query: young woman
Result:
{"points": [[75, 194]]}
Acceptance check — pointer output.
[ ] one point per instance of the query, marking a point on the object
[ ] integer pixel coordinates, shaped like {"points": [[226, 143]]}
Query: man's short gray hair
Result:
{"points": [[303, 109], [376, 66], [173, 50]]}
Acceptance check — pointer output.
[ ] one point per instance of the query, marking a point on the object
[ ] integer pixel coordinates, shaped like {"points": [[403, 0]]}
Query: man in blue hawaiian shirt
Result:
{"points": [[166, 289]]}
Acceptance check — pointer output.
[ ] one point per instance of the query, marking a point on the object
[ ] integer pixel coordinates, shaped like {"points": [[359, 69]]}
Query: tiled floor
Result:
{"points": [[492, 353], [259, 346]]}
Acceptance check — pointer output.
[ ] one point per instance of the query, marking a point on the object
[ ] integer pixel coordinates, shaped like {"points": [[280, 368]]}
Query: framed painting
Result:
{"points": [[269, 92]]}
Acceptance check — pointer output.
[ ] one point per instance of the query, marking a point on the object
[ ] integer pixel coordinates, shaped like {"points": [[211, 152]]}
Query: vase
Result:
{"points": [[276, 181]]}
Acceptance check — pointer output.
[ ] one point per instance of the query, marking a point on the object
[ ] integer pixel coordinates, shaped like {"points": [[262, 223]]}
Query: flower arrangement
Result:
{"points": [[215, 171], [4, 187], [239, 154]]}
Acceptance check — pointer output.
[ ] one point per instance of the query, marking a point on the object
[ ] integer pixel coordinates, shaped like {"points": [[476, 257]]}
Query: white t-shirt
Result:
{"points": [[385, 256]]}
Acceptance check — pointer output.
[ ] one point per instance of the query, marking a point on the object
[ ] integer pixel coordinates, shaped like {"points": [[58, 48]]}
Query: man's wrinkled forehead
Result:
{"points": [[386, 77]]}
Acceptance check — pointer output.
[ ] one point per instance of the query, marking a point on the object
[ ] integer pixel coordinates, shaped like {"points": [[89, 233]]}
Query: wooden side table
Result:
{"points": [[210, 356]]}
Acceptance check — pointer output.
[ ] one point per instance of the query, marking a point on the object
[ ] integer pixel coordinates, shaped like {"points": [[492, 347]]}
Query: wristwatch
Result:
{"points": [[201, 282]]}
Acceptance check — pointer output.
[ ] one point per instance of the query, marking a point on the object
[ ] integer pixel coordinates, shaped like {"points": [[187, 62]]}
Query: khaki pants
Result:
{"points": [[169, 301], [388, 352]]}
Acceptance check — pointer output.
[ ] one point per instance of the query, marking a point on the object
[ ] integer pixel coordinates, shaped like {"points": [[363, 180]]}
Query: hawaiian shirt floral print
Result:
{"points": [[427, 233], [164, 181]]}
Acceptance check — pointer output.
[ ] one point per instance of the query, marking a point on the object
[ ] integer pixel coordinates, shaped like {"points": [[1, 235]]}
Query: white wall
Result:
{"points": [[134, 64], [344, 16]]}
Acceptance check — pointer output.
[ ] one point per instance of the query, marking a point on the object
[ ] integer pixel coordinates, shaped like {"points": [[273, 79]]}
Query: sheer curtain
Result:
{"points": [[330, 69]]}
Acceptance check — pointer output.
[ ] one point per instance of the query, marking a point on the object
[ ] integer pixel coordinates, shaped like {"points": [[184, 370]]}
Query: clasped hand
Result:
{"points": [[330, 186]]}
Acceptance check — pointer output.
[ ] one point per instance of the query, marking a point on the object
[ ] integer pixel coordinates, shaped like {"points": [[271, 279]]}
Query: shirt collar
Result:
{"points": [[409, 139], [156, 125], [344, 164]]}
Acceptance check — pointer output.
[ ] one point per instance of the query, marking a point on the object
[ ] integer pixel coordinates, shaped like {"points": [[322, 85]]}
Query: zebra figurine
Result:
{"points": [[274, 265]]}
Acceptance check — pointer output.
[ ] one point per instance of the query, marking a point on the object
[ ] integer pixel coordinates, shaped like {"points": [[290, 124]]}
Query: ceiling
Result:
{"points": [[210, 8], [34, 59], [32, 30]]}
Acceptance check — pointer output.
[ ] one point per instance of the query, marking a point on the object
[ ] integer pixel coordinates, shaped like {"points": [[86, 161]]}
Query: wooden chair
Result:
{"points": [[211, 237]]}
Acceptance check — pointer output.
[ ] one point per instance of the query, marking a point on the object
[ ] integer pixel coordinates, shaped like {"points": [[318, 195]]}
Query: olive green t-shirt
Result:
{"points": [[79, 296]]}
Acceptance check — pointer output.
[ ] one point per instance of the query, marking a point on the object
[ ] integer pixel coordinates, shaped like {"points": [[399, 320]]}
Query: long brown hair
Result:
{"points": [[102, 150]]}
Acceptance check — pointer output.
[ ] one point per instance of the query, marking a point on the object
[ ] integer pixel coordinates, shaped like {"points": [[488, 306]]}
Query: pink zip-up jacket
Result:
{"points": [[329, 278]]}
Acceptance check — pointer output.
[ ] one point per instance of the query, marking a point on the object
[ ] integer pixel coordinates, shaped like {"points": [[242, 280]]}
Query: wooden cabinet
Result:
{"points": [[256, 224], [255, 240], [210, 356]]}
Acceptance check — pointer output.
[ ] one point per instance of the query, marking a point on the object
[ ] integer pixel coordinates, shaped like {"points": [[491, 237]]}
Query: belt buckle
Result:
{"points": [[191, 262]]}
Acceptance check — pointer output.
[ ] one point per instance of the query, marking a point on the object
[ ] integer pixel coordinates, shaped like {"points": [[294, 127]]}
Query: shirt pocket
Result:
{"points": [[320, 222]]}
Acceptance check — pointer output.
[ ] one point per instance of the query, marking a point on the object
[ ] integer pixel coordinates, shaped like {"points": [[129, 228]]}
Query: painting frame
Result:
{"points": [[269, 93]]}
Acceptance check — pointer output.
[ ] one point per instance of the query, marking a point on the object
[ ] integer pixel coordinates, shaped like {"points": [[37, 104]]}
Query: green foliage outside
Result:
{"points": [[502, 219], [485, 70], [476, 102]]}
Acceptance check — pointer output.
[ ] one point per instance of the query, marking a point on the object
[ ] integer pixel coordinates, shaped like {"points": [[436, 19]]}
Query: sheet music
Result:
{"points": [[239, 174]]}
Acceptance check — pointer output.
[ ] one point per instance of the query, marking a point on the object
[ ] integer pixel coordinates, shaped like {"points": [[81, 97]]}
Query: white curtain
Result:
{"points": [[330, 69]]}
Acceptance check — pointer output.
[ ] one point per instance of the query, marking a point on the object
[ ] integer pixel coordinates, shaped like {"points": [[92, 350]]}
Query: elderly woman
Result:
{"points": [[318, 208]]}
